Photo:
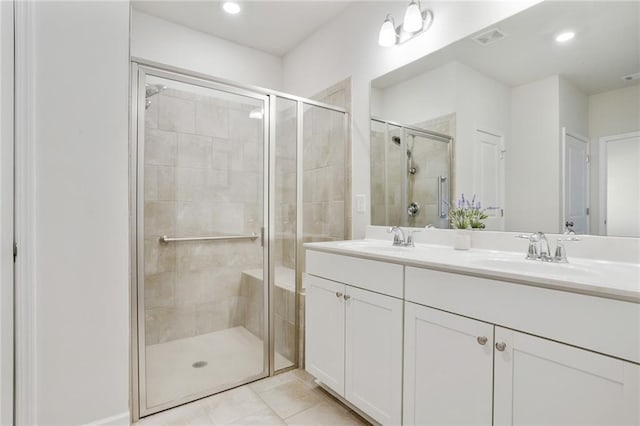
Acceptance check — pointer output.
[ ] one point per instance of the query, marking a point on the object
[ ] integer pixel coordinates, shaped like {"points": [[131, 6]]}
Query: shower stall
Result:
{"points": [[229, 182], [411, 178]]}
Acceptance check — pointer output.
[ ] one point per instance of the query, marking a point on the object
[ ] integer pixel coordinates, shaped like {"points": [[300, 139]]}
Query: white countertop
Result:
{"points": [[615, 280]]}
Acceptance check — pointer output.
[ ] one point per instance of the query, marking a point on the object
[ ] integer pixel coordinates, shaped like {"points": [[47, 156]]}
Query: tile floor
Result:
{"points": [[291, 398]]}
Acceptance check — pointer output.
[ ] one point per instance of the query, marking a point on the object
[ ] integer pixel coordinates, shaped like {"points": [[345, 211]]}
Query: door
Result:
{"points": [[538, 381], [576, 183], [489, 177], [373, 354], [324, 334], [200, 260], [427, 171], [620, 184], [448, 368]]}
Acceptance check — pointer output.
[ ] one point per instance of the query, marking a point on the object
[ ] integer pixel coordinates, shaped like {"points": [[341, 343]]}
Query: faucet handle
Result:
{"points": [[410, 240], [560, 255]]}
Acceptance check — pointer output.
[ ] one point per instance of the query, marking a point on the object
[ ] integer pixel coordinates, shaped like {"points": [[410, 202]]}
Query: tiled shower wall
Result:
{"points": [[202, 176]]}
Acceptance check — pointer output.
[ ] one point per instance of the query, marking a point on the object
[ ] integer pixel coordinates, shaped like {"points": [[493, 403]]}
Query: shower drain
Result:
{"points": [[199, 364]]}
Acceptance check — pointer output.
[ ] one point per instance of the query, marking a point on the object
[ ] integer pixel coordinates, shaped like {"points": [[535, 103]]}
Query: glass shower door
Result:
{"points": [[201, 261]]}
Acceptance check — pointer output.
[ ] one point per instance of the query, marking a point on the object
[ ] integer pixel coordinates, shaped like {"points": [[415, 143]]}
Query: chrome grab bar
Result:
{"points": [[442, 213], [252, 237]]}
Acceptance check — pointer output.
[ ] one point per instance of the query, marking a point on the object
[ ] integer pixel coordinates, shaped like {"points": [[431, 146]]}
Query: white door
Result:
{"points": [[448, 368], [489, 177], [373, 354], [576, 183], [620, 176], [324, 333], [541, 382]]}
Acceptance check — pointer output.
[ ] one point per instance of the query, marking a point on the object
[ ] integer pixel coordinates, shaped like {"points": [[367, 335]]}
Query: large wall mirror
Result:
{"points": [[538, 116]]}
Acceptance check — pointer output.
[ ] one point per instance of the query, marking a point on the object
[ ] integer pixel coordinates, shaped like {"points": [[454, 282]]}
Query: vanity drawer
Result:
{"points": [[599, 324], [381, 277]]}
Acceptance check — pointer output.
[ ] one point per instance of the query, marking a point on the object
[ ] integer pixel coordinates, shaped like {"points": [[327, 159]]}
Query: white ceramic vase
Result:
{"points": [[462, 239]]}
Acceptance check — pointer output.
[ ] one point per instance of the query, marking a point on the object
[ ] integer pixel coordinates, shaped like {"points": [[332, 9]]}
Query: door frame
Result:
{"points": [[602, 173], [7, 193], [139, 72], [563, 180]]}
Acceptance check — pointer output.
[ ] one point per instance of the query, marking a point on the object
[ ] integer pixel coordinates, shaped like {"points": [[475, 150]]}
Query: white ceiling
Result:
{"points": [[275, 27], [606, 47]]}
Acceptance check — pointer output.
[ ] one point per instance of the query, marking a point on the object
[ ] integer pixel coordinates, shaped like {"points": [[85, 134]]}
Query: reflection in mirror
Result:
{"points": [[547, 133], [420, 160]]}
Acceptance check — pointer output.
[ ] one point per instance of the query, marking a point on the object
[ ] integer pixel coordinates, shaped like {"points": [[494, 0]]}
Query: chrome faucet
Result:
{"points": [[539, 248], [398, 236]]}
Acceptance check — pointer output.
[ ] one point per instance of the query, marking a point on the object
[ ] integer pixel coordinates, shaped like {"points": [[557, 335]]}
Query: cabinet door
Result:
{"points": [[538, 381], [448, 368], [373, 354], [324, 333]]}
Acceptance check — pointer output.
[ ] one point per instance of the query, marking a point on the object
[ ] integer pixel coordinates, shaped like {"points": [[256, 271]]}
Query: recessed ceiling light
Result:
{"points": [[565, 36], [231, 7]]}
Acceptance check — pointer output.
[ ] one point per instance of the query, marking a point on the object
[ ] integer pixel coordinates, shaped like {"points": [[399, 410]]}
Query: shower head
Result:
{"points": [[154, 89], [395, 139], [151, 90]]}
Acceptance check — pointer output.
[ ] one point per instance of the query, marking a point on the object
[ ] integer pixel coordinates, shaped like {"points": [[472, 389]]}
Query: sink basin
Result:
{"points": [[565, 270]]}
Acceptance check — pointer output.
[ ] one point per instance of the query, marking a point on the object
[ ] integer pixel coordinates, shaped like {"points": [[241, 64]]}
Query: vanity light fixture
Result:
{"points": [[565, 36], [231, 7], [256, 114], [416, 21]]}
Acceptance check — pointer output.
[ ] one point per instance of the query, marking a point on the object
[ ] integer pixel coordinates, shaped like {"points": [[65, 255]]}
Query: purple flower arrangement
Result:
{"points": [[468, 214]]}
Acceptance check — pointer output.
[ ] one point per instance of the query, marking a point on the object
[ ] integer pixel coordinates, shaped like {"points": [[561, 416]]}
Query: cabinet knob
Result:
{"points": [[501, 346], [338, 294], [347, 297], [482, 340]]}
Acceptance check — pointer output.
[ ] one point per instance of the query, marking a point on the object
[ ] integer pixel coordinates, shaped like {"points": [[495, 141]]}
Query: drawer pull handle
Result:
{"points": [[347, 297], [482, 340], [501, 346], [338, 294]]}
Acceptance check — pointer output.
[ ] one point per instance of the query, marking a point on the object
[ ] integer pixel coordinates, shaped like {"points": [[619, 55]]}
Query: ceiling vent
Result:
{"points": [[489, 37], [631, 77]]}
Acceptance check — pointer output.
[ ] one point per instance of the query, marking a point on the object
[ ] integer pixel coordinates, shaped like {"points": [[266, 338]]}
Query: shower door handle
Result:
{"points": [[441, 181], [262, 237]]}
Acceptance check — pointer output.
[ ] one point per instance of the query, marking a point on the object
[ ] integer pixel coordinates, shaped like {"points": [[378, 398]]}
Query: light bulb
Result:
{"points": [[412, 18], [231, 7], [388, 35], [566, 36]]}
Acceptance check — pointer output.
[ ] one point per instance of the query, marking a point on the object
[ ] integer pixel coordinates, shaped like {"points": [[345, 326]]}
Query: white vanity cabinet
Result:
{"points": [[451, 377], [417, 346], [448, 368], [538, 381], [354, 335]]}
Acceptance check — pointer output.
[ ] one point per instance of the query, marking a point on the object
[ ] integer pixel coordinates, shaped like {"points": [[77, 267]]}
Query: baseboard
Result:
{"points": [[123, 419]]}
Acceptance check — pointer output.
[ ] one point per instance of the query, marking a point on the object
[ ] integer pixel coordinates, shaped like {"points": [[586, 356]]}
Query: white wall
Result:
{"points": [[428, 95], [481, 104], [171, 44], [533, 158], [610, 113], [347, 46], [6, 213], [80, 83]]}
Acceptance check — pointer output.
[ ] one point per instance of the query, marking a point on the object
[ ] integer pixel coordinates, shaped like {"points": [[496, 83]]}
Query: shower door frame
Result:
{"points": [[136, 125], [138, 376], [406, 130]]}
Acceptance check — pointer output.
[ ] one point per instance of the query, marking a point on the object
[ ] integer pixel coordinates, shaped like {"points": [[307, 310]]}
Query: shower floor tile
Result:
{"points": [[231, 355]]}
